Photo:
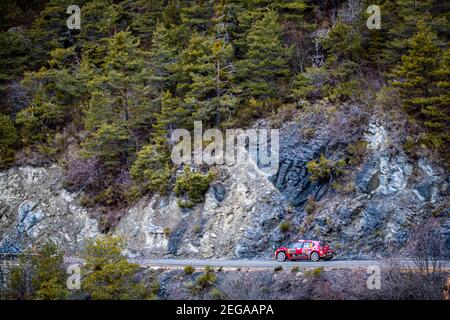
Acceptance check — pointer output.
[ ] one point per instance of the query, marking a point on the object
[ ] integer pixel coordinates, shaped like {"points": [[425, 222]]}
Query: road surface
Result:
{"points": [[262, 264], [269, 264]]}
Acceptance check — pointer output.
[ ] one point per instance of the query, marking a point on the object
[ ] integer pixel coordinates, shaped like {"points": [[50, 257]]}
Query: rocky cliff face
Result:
{"points": [[383, 199], [35, 207]]}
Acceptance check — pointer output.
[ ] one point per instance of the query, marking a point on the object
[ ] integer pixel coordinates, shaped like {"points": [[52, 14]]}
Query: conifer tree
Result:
{"points": [[107, 273], [163, 55], [197, 14], [120, 90], [14, 59], [55, 93], [212, 81], [8, 140], [423, 82], [265, 62]]}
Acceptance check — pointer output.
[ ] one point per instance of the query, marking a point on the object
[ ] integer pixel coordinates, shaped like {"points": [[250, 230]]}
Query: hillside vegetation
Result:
{"points": [[102, 101]]}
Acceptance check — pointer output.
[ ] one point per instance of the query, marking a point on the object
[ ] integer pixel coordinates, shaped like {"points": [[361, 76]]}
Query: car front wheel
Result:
{"points": [[315, 256], [281, 256]]}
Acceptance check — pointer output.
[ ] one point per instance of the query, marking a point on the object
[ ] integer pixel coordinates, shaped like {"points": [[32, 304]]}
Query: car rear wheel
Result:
{"points": [[314, 257], [281, 256]]}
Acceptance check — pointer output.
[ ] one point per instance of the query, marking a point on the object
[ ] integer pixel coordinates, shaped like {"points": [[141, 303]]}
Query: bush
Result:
{"points": [[316, 272], [216, 294], [84, 174], [325, 169], [285, 226], [192, 186], [356, 152], [203, 281], [308, 85], [167, 231], [189, 270], [278, 269]]}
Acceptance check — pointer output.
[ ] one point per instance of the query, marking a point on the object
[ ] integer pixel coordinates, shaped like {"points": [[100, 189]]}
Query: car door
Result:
{"points": [[291, 251], [298, 250], [306, 250], [294, 251]]}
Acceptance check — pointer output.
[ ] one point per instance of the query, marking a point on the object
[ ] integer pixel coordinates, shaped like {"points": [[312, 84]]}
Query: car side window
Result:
{"points": [[307, 245]]}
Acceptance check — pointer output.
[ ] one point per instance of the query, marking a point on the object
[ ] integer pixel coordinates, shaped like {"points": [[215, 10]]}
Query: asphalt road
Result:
{"points": [[268, 264], [261, 264]]}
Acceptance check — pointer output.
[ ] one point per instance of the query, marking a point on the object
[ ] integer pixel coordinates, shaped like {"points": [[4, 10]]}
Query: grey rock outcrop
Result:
{"points": [[36, 208]]}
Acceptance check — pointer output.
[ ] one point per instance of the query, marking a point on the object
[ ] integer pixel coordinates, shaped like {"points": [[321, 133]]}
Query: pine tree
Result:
{"points": [[39, 274], [120, 90], [265, 62], [197, 14], [163, 55], [423, 83], [151, 170], [55, 93], [143, 16], [111, 144], [172, 116], [343, 43], [416, 78], [14, 59], [8, 140], [211, 86], [49, 31], [107, 273]]}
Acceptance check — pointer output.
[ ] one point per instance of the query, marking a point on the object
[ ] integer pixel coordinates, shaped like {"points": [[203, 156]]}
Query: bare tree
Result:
{"points": [[425, 279]]}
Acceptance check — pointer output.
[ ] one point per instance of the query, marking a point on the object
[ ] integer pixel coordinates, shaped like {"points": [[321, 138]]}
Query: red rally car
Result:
{"points": [[305, 249]]}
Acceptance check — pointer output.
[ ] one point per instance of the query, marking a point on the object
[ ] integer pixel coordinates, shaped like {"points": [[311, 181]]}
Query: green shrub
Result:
{"points": [[167, 231], [410, 146], [209, 269], [324, 169], [216, 294], [295, 269], [192, 186], [285, 226], [151, 170], [316, 272], [356, 152], [87, 201], [189, 270], [308, 85], [205, 280]]}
